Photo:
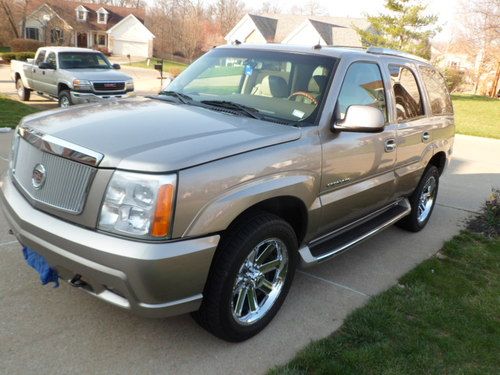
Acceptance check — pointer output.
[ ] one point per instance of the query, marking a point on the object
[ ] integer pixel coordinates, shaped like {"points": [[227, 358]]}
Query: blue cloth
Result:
{"points": [[38, 262]]}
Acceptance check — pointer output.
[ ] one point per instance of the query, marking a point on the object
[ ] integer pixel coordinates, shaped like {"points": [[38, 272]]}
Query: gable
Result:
{"points": [[305, 34], [130, 29]]}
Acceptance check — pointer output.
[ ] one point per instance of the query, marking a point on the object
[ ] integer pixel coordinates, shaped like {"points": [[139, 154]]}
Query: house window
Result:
{"points": [[101, 17], [81, 14], [32, 33], [56, 36], [100, 39]]}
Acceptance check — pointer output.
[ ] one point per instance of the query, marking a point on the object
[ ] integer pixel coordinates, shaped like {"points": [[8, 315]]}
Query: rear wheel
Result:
{"points": [[65, 99], [422, 201], [22, 92], [249, 279]]}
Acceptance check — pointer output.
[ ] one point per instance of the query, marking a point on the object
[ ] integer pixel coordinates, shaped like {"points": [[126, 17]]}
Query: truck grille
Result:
{"points": [[65, 182], [109, 86]]}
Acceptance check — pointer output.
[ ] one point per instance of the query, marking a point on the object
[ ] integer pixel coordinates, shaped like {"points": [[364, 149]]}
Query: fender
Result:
{"points": [[220, 212]]}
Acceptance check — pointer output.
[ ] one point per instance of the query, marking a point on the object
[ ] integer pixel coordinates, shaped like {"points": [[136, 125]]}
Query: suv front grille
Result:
{"points": [[66, 182], [109, 86]]}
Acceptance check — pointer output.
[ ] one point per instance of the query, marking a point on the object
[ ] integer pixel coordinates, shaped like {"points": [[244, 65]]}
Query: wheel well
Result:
{"points": [[439, 160], [290, 209], [18, 76], [61, 87]]}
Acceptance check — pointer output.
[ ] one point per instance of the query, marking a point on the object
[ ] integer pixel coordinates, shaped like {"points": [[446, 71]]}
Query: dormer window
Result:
{"points": [[102, 15], [81, 13]]}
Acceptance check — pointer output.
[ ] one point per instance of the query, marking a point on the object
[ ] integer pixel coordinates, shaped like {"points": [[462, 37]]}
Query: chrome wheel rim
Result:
{"points": [[20, 88], [64, 102], [426, 200], [259, 281]]}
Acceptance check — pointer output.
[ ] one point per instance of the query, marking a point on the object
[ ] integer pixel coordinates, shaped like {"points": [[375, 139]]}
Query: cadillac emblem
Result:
{"points": [[38, 177]]}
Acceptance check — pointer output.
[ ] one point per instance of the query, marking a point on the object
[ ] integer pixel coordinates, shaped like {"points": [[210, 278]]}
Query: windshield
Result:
{"points": [[83, 60], [288, 87]]}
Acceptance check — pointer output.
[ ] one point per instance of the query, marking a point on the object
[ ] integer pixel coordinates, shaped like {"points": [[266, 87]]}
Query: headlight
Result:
{"points": [[139, 205], [81, 85], [129, 85]]}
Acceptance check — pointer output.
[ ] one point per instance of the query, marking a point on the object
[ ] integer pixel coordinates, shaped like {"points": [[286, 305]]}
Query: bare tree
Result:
{"points": [[227, 13]]}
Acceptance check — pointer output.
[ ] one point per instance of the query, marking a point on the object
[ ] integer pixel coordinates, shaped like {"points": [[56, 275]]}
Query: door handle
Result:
{"points": [[390, 145], [425, 136]]}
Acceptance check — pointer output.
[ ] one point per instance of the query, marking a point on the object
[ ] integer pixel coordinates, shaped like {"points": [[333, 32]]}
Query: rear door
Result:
{"points": [[358, 168], [414, 133]]}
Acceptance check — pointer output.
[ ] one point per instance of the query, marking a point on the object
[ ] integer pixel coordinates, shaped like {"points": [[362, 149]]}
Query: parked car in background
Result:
{"points": [[256, 160], [71, 76]]}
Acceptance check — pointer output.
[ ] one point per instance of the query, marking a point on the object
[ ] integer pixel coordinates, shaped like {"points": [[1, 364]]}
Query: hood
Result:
{"points": [[98, 74], [157, 136]]}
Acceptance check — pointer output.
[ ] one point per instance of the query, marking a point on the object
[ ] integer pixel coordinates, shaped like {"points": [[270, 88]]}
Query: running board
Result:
{"points": [[336, 244]]}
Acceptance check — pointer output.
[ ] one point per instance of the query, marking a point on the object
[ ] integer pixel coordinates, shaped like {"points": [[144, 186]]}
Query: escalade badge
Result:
{"points": [[38, 177]]}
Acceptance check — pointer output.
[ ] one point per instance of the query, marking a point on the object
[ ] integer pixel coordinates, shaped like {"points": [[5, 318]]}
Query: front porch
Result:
{"points": [[91, 39]]}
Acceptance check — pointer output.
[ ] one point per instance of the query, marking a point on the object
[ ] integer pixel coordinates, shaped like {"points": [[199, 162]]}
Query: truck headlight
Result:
{"points": [[139, 205], [81, 85], [129, 85]]}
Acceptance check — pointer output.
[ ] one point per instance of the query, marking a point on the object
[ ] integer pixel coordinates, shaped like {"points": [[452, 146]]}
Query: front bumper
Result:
{"points": [[150, 279], [85, 97]]}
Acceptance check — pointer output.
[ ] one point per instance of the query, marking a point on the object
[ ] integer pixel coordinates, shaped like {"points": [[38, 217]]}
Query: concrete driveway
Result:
{"points": [[64, 330], [146, 82]]}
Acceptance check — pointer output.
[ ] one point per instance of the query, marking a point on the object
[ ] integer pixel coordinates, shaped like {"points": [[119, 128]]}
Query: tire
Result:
{"points": [[232, 278], [419, 217], [65, 99], [22, 92]]}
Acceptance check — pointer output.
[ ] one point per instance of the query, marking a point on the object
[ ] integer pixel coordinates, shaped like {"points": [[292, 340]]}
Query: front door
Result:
{"points": [[358, 168], [81, 40]]}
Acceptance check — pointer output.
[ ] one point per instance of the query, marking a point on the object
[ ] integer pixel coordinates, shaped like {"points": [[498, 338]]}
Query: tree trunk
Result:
{"points": [[494, 89], [10, 18]]}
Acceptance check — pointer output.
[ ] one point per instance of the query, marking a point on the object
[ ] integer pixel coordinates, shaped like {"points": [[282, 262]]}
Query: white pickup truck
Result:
{"points": [[71, 76]]}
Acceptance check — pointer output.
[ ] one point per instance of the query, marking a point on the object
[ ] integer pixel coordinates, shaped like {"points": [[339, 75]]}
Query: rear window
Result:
{"points": [[438, 93]]}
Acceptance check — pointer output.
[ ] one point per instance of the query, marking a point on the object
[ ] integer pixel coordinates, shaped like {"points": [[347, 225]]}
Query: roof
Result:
{"points": [[332, 51], [334, 30], [69, 49], [66, 10]]}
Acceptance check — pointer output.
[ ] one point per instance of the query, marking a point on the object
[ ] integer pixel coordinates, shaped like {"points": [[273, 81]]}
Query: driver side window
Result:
{"points": [[362, 85]]}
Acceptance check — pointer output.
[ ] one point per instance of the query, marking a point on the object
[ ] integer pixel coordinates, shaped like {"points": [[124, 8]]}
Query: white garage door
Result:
{"points": [[123, 48]]}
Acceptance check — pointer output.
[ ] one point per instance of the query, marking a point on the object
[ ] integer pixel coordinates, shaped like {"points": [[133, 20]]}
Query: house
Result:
{"points": [[298, 29], [118, 30]]}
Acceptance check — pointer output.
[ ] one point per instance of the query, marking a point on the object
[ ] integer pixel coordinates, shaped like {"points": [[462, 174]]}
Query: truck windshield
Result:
{"points": [[284, 86], [83, 60]]}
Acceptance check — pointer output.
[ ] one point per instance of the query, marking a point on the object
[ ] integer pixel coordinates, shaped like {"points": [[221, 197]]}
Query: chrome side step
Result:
{"points": [[319, 251]]}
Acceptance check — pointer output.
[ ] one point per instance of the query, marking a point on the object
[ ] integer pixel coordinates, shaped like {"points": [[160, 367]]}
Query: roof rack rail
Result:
{"points": [[344, 46], [394, 52]]}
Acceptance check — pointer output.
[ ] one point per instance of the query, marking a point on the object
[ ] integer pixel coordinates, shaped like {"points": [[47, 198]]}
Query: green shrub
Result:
{"points": [[22, 56], [8, 56], [453, 78], [19, 45]]}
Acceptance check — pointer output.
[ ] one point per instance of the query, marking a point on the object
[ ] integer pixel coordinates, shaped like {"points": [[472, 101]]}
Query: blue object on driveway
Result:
{"points": [[38, 262]]}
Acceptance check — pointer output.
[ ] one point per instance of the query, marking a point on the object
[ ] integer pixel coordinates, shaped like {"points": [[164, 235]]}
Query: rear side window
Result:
{"points": [[362, 85], [40, 57], [406, 92], [438, 93]]}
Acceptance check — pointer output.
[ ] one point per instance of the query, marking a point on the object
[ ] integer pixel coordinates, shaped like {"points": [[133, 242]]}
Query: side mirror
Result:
{"points": [[46, 65], [361, 118], [116, 66]]}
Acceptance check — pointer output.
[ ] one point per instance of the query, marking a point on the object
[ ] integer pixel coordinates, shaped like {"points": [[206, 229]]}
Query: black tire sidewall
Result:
{"points": [[64, 93]]}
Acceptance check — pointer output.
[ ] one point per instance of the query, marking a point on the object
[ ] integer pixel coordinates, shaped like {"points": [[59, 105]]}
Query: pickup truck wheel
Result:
{"points": [[65, 99], [422, 201], [22, 92], [249, 279]]}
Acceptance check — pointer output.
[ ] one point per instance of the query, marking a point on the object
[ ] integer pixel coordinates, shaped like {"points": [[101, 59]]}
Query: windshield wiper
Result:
{"points": [[240, 108], [183, 98]]}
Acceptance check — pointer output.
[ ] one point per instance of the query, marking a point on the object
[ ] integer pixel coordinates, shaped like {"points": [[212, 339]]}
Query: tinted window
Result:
{"points": [[406, 92], [83, 60], [362, 86], [438, 93], [51, 58], [40, 57]]}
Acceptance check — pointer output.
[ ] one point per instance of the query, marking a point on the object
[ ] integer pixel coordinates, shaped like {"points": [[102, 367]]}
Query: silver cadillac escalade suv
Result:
{"points": [[254, 161]]}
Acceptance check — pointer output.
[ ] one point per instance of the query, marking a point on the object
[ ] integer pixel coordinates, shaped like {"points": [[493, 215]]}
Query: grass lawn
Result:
{"points": [[442, 318], [11, 111], [477, 115], [167, 65]]}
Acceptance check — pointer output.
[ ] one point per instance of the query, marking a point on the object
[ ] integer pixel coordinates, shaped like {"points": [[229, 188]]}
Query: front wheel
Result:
{"points": [[422, 201], [249, 279], [22, 92], [65, 99]]}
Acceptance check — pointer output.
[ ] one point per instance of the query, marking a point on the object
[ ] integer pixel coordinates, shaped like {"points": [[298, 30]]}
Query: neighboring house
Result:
{"points": [[297, 29], [118, 30]]}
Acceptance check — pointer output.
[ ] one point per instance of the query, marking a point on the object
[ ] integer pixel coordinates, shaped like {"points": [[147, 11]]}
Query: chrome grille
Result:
{"points": [[66, 181]]}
